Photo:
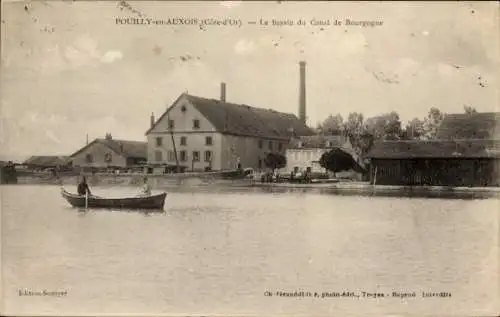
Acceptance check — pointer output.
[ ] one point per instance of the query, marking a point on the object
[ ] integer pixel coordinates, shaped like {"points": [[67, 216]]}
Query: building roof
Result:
{"points": [[480, 125], [50, 160], [318, 142], [244, 120], [478, 148], [129, 149]]}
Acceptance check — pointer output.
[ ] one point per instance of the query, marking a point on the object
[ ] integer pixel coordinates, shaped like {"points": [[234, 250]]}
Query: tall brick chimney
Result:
{"points": [[223, 92], [152, 120], [302, 91]]}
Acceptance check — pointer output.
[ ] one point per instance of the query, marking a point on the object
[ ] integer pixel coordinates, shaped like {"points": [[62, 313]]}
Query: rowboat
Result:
{"points": [[141, 202]]}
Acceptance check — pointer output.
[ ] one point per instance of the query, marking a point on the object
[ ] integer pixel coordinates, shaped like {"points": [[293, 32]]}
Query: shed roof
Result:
{"points": [[126, 148], [47, 160], [477, 148]]}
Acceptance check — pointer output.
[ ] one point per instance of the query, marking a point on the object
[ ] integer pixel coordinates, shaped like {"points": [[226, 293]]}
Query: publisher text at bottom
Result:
{"points": [[358, 294]]}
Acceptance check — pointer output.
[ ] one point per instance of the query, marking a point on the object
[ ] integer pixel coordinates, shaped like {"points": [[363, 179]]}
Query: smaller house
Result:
{"points": [[110, 153], [436, 163], [304, 153], [39, 163]]}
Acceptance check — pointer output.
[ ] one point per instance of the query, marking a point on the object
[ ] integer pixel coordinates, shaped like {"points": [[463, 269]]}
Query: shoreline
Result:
{"points": [[346, 188], [367, 189]]}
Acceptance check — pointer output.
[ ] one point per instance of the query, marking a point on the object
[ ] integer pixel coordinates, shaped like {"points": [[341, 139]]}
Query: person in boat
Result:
{"points": [[146, 189], [83, 187]]}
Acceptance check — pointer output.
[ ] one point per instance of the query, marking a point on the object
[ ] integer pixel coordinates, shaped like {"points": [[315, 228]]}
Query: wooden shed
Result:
{"points": [[436, 163]]}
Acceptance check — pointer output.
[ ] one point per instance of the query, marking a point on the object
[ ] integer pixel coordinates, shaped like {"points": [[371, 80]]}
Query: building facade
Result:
{"points": [[206, 134], [110, 153], [305, 152]]}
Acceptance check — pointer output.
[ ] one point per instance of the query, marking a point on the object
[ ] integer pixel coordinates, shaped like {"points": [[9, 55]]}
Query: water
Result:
{"points": [[220, 251]]}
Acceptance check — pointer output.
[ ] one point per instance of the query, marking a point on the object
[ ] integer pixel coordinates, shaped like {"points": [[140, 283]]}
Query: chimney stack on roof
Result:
{"points": [[302, 91], [223, 92], [152, 122]]}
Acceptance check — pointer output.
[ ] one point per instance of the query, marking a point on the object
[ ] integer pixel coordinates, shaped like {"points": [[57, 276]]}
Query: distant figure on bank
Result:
{"points": [[83, 187], [146, 189]]}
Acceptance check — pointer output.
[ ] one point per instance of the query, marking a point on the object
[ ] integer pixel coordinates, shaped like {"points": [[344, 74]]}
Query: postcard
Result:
{"points": [[249, 158]]}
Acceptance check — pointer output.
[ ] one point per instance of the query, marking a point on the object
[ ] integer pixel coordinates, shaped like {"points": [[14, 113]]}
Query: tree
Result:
{"points": [[354, 123], [360, 138], [469, 109], [337, 160], [375, 126], [384, 127], [432, 122], [332, 124], [392, 127], [364, 143], [414, 129], [275, 161]]}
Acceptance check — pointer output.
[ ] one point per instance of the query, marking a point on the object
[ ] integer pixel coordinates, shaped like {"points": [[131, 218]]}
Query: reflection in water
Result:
{"points": [[145, 212]]}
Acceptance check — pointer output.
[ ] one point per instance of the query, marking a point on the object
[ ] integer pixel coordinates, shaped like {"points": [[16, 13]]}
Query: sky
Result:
{"points": [[69, 69]]}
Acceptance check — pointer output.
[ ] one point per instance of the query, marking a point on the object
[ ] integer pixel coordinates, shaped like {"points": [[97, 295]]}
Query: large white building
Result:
{"points": [[202, 134]]}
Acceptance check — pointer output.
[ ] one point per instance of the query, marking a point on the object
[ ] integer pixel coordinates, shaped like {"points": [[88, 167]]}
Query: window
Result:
{"points": [[270, 144], [171, 124], [171, 156], [159, 141], [260, 144], [196, 156], [196, 124], [208, 156], [183, 108], [89, 158], [108, 157], [260, 163], [183, 156], [183, 140], [158, 156], [280, 146], [208, 140]]}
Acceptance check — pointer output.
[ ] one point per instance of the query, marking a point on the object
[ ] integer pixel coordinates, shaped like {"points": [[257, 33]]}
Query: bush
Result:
{"points": [[337, 160], [275, 161]]}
